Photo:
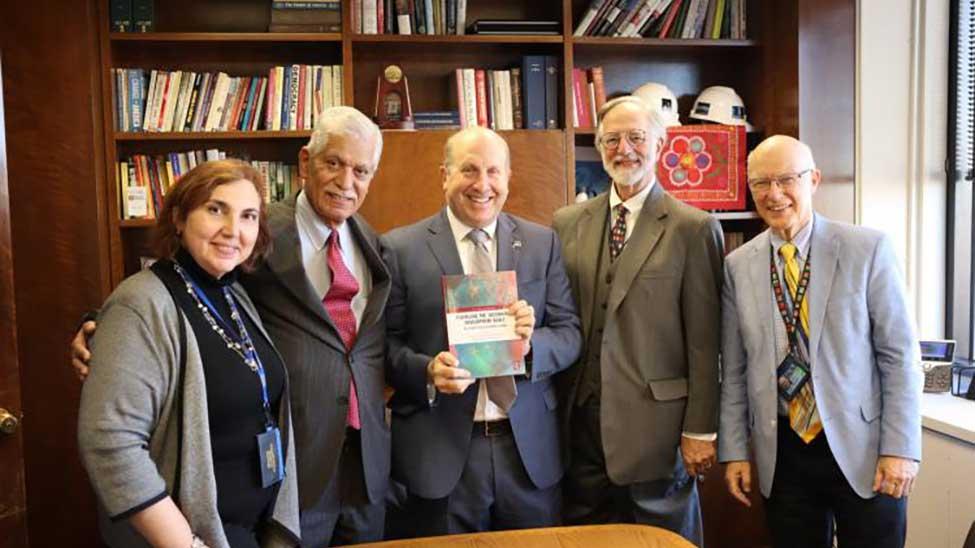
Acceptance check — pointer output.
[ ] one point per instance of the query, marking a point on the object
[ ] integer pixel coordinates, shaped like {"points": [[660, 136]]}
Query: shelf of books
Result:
{"points": [[246, 81]]}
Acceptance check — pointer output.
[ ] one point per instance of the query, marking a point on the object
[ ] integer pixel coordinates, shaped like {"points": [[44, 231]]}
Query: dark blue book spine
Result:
{"points": [[286, 100], [551, 92], [136, 98], [244, 123], [121, 13], [533, 90], [451, 16], [142, 15]]}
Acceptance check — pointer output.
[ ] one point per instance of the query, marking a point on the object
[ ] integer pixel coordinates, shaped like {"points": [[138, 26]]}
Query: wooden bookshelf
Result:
{"points": [[407, 185]]}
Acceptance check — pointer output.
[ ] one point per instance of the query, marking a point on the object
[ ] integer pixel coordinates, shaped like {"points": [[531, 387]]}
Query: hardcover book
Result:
{"points": [[704, 165], [480, 331]]}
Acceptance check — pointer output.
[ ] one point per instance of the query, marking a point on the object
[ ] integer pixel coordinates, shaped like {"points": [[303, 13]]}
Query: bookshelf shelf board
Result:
{"points": [[735, 215], [603, 41], [137, 223], [456, 39], [209, 135], [225, 37], [585, 131]]}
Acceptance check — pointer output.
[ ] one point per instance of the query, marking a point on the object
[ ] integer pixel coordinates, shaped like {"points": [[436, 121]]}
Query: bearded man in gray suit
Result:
{"points": [[640, 406], [821, 367]]}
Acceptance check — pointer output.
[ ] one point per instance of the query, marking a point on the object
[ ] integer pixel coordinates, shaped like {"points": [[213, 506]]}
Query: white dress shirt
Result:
{"points": [[313, 234], [486, 410], [634, 205]]}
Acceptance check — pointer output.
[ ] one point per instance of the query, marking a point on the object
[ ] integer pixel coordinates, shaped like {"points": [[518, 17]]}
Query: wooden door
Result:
{"points": [[13, 508]]}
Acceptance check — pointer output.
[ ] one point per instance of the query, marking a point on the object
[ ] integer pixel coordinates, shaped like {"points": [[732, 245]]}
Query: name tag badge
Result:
{"points": [[271, 456], [792, 375]]}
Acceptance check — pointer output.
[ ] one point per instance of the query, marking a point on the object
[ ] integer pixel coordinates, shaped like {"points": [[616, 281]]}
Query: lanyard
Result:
{"points": [[242, 345], [791, 320]]}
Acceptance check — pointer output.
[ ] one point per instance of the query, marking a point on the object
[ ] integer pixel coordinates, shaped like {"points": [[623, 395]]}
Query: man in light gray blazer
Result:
{"points": [[470, 457], [640, 406], [827, 392]]}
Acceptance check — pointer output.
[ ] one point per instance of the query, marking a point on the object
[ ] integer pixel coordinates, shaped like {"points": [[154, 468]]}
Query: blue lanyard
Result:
{"points": [[249, 352]]}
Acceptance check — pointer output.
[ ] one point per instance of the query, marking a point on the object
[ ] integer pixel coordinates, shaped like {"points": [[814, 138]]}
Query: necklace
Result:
{"points": [[244, 348]]}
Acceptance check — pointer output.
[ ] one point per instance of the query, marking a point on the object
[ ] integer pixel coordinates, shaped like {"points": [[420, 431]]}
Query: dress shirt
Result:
{"points": [[634, 205], [802, 241], [486, 410], [313, 234]]}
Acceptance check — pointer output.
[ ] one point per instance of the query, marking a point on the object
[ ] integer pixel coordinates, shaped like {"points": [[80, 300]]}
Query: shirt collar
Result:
{"points": [[801, 240], [633, 203], [312, 225], [460, 230]]}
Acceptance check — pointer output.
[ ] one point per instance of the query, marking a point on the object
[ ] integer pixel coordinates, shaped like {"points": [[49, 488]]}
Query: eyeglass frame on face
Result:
{"points": [[786, 181], [335, 164], [639, 134]]}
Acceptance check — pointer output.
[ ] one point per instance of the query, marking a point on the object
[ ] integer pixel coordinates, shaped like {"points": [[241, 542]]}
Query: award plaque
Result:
{"points": [[393, 110]]}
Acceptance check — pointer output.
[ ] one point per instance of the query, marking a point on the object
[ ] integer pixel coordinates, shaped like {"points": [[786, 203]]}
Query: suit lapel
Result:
{"points": [[824, 253], [380, 276], [759, 268], [443, 246], [590, 228], [285, 262], [509, 243], [650, 227]]}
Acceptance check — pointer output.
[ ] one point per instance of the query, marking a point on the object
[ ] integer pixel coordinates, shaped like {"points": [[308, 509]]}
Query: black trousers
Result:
{"points": [[592, 498], [809, 492], [494, 493], [344, 514]]}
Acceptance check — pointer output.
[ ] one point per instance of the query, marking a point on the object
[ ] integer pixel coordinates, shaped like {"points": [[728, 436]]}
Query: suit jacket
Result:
{"points": [[430, 443], [659, 362], [862, 349], [319, 365]]}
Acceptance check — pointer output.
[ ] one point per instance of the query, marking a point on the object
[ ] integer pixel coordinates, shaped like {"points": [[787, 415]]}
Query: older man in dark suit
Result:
{"points": [[484, 455], [321, 295]]}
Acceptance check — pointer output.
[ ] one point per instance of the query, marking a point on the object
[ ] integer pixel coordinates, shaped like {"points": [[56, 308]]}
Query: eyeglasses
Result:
{"points": [[787, 181], [635, 137]]}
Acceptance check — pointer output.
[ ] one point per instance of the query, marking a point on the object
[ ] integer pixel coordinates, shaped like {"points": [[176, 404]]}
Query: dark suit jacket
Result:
{"points": [[430, 443], [318, 363], [660, 339]]}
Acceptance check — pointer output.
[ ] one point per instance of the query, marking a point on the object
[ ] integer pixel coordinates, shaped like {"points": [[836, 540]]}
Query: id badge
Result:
{"points": [[271, 456], [792, 375]]}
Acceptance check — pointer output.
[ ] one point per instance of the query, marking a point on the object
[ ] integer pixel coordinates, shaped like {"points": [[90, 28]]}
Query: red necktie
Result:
{"points": [[617, 236], [338, 305]]}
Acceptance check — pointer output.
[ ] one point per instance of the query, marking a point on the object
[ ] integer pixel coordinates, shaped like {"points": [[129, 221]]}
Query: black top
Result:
{"points": [[234, 402]]}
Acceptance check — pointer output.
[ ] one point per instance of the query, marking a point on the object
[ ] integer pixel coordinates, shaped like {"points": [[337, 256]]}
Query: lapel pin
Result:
{"points": [[516, 244]]}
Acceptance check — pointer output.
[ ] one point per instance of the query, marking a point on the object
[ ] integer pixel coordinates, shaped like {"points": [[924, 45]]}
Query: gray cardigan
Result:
{"points": [[127, 424]]}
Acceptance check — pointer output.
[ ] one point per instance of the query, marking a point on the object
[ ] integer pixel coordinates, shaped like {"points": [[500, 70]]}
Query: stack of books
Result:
{"points": [[306, 16], [713, 19], [443, 119], [523, 97], [588, 95], [409, 16]]}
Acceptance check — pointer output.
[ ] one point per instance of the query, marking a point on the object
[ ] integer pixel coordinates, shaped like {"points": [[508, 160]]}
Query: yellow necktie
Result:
{"points": [[803, 415]]}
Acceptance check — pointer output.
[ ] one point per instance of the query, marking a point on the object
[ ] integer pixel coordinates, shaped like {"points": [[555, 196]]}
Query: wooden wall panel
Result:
{"points": [[50, 59], [397, 197]]}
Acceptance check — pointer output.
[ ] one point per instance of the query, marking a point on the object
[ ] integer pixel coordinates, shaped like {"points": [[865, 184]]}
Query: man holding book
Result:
{"points": [[473, 454], [640, 406], [321, 293]]}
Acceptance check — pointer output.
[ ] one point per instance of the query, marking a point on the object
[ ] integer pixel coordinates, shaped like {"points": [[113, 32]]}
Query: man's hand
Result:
{"points": [[80, 355], [524, 314], [445, 373], [698, 455], [895, 476], [738, 476]]}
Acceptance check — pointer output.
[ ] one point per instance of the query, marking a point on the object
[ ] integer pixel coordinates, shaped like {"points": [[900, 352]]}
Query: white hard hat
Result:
{"points": [[722, 105], [661, 99]]}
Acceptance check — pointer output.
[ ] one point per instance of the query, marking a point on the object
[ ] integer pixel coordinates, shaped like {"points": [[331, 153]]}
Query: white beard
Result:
{"points": [[626, 176]]}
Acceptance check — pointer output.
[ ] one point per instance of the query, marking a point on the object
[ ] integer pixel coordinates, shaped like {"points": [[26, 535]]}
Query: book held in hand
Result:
{"points": [[480, 331]]}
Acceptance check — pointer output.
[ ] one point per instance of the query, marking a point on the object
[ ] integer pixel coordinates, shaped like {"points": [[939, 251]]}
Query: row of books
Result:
{"points": [[523, 97], [713, 19], [131, 15], [143, 180], [409, 16], [288, 98], [733, 240], [588, 95]]}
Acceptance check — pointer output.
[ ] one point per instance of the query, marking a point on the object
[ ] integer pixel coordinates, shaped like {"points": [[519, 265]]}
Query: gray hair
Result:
{"points": [[346, 121], [448, 149], [657, 127]]}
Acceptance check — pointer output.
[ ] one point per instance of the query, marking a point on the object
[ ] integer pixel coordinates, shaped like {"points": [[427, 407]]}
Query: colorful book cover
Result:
{"points": [[704, 165], [480, 331]]}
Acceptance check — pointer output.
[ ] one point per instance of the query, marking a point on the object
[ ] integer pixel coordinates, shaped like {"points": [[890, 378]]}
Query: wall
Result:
{"points": [[900, 141]]}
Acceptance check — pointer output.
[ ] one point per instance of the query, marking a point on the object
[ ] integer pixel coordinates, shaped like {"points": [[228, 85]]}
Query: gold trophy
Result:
{"points": [[393, 110]]}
